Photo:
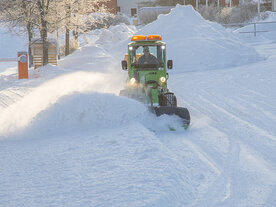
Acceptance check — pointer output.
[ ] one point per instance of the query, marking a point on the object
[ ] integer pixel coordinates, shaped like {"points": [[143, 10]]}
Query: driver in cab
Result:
{"points": [[147, 58]]}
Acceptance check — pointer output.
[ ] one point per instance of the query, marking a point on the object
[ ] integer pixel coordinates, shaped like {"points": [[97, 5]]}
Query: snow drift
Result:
{"points": [[115, 34], [196, 44], [95, 112], [74, 102]]}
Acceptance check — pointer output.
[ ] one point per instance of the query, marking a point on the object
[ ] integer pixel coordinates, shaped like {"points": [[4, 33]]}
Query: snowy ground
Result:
{"points": [[67, 139]]}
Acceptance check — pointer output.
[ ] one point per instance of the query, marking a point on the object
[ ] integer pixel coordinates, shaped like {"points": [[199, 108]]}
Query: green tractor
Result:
{"points": [[147, 76]]}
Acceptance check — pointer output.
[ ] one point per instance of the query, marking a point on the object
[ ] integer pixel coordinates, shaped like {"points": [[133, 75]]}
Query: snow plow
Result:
{"points": [[147, 76]]}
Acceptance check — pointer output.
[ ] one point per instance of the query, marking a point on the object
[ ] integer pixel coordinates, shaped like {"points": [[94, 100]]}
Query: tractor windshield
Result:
{"points": [[147, 56]]}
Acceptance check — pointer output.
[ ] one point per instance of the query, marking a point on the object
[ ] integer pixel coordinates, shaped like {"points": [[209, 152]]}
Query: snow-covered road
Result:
{"points": [[226, 158], [67, 139], [234, 119]]}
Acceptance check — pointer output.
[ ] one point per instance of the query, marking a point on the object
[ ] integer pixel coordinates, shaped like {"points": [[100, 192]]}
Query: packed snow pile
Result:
{"points": [[196, 44], [100, 41], [115, 34], [85, 58]]}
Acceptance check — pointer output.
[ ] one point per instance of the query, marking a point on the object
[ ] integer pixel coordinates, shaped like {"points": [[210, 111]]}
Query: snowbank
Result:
{"points": [[81, 113], [77, 113], [98, 50], [74, 102], [115, 34], [196, 44]]}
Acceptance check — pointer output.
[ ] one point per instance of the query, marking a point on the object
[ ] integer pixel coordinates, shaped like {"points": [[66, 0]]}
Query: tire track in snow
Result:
{"points": [[238, 128], [226, 187], [201, 168], [208, 100], [226, 180], [202, 155], [241, 129], [271, 200], [222, 187], [246, 123]]}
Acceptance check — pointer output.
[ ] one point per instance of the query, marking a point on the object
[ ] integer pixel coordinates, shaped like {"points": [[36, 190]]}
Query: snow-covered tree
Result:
{"points": [[29, 15], [49, 16], [77, 17]]}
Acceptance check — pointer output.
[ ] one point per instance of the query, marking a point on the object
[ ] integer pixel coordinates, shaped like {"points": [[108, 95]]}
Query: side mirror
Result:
{"points": [[124, 64], [170, 64]]}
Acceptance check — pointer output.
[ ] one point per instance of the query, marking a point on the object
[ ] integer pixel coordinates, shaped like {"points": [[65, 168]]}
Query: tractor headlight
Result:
{"points": [[162, 79], [132, 81]]}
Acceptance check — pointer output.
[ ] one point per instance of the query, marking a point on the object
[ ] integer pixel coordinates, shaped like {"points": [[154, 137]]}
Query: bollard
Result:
{"points": [[22, 65]]}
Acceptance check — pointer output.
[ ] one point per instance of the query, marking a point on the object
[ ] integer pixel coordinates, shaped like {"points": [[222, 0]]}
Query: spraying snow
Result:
{"points": [[14, 117], [115, 34]]}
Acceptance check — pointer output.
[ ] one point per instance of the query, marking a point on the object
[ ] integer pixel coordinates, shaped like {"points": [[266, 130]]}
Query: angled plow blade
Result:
{"points": [[183, 113]]}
